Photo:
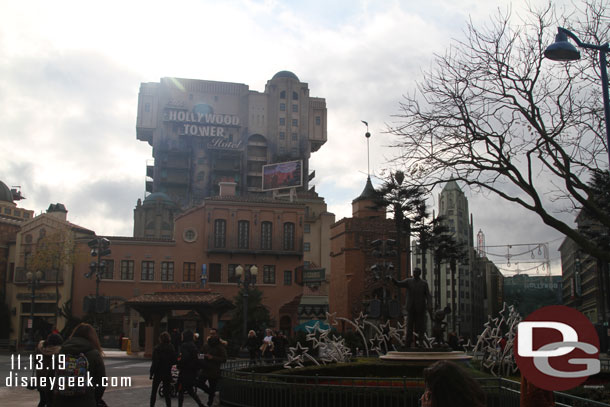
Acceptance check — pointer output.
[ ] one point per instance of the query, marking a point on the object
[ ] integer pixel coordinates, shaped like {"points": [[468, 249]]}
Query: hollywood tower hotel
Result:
{"points": [[207, 211]]}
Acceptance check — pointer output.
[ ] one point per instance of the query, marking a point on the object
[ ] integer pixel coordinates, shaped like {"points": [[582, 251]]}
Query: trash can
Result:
{"points": [[124, 342], [128, 348]]}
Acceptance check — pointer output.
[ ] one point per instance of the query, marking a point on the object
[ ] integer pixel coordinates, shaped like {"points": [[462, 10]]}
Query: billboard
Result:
{"points": [[283, 175]]}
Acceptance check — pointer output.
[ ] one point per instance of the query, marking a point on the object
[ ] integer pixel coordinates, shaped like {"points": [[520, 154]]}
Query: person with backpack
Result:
{"points": [[49, 350], [215, 355], [83, 354], [163, 358], [188, 364]]}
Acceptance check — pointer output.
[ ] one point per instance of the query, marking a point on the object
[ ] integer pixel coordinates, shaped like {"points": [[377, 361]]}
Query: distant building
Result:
{"points": [[205, 132], [584, 285], [464, 289], [352, 284], [528, 293], [493, 299], [11, 219], [54, 259]]}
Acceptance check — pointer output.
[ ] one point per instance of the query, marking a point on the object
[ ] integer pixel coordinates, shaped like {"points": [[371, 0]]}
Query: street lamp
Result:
{"points": [[33, 279], [247, 278], [563, 50]]}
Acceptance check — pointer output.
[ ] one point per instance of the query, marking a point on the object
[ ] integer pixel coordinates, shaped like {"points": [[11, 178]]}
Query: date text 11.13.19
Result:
{"points": [[34, 362]]}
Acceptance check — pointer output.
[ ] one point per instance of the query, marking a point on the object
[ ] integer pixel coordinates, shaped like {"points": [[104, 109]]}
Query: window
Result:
{"points": [[282, 121], [126, 269], [243, 234], [295, 96], [220, 233], [148, 270], [231, 277], [295, 108], [295, 136], [215, 273], [295, 122], [108, 270], [282, 107], [283, 94], [282, 135], [306, 246], [288, 236], [268, 274], [266, 235], [188, 272], [167, 271], [147, 107], [318, 120], [307, 228], [189, 235], [287, 277]]}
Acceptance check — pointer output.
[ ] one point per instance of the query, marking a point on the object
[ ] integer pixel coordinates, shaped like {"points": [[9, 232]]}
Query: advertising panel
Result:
{"points": [[283, 175]]}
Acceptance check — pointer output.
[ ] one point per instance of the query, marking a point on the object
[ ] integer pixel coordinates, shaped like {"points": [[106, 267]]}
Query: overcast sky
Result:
{"points": [[71, 70]]}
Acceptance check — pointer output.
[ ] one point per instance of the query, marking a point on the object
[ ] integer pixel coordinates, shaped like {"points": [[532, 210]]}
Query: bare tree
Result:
{"points": [[493, 113]]}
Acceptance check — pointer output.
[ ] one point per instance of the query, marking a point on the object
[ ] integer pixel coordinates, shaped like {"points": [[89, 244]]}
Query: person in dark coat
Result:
{"points": [[188, 363], [49, 350], [279, 346], [253, 346], [215, 355], [84, 340], [448, 385], [163, 358]]}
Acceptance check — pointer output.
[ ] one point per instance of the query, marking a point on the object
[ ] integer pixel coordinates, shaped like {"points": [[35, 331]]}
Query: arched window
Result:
{"points": [[288, 236], [220, 233], [266, 235], [243, 234]]}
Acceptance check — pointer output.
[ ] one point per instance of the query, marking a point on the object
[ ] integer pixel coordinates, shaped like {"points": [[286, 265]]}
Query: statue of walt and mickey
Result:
{"points": [[419, 301]]}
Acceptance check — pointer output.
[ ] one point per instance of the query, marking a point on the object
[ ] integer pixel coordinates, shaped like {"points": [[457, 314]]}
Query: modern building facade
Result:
{"points": [[205, 132]]}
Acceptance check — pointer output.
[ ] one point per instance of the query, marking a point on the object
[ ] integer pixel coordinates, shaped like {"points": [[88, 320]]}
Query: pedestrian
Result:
{"points": [[253, 346], [176, 340], [163, 358], [83, 358], [49, 349], [188, 364], [533, 396], [448, 385], [215, 355], [452, 339], [267, 346], [279, 346]]}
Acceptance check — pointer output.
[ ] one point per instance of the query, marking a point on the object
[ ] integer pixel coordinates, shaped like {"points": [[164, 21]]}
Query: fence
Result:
{"points": [[252, 389]]}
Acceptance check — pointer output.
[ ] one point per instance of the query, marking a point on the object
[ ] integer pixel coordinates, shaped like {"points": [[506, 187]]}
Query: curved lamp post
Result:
{"points": [[563, 50], [247, 278], [33, 279]]}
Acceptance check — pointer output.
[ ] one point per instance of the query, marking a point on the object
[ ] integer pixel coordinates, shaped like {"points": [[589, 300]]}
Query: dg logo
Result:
{"points": [[557, 348]]}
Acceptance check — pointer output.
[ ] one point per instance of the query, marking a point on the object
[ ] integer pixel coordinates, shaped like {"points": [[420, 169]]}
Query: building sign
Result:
{"points": [[282, 175], [201, 124]]}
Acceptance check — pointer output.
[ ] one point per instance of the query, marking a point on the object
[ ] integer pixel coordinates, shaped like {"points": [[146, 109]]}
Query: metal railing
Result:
{"points": [[244, 388]]}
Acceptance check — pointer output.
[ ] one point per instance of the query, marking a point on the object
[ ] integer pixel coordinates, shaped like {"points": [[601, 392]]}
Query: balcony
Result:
{"points": [[50, 277], [254, 248]]}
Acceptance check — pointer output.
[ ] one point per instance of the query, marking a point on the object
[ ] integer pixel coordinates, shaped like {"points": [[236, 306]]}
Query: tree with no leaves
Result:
{"points": [[495, 114]]}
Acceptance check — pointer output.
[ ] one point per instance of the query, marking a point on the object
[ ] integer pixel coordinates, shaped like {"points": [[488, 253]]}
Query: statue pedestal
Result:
{"points": [[424, 358]]}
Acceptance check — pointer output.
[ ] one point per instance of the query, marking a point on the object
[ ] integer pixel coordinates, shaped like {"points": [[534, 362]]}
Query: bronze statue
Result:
{"points": [[418, 302]]}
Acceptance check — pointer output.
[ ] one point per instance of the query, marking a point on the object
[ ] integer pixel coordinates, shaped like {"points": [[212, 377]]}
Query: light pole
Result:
{"points": [[563, 50], [247, 278], [33, 279]]}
